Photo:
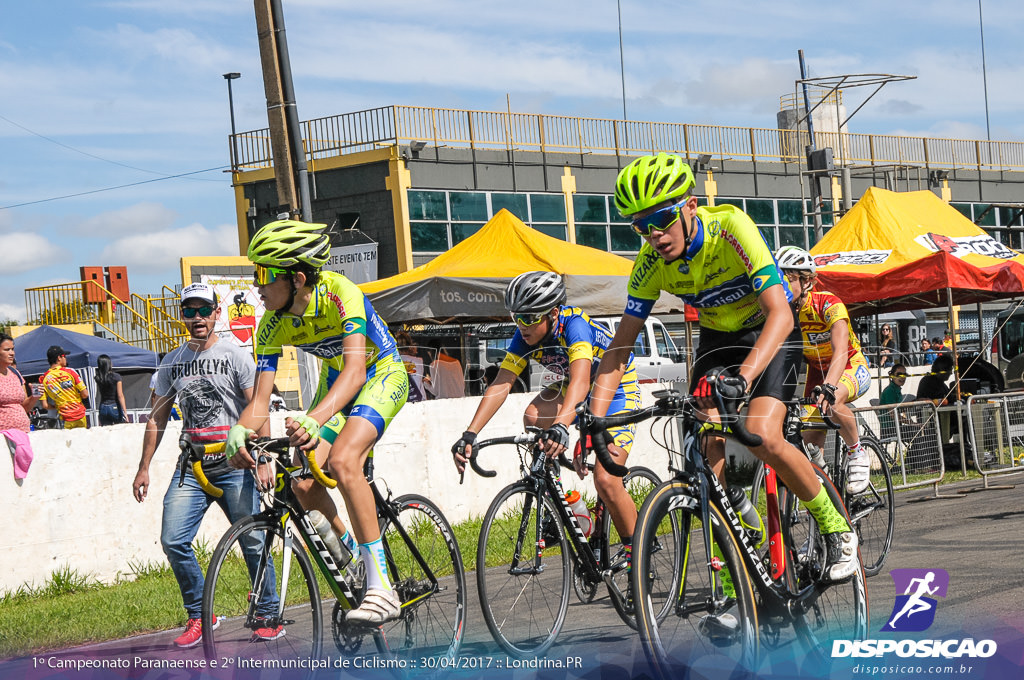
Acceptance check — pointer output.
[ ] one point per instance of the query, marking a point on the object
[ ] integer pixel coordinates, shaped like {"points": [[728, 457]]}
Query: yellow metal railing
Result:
{"points": [[391, 125], [150, 322]]}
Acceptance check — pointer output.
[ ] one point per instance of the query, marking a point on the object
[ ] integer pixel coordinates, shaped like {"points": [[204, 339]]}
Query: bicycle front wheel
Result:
{"points": [[639, 482], [261, 599], [425, 567], [872, 511], [711, 620], [523, 571]]}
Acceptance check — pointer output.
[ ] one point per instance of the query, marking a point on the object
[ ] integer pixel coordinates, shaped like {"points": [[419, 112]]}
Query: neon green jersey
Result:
{"points": [[727, 265]]}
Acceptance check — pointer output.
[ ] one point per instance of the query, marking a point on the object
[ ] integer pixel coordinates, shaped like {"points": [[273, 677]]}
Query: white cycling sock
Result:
{"points": [[373, 558]]}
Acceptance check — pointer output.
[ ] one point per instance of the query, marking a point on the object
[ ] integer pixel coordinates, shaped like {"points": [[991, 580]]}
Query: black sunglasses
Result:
{"points": [[190, 312]]}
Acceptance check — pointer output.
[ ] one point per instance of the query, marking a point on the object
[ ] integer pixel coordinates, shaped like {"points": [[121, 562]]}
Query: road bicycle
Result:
{"points": [[531, 547], [278, 555], [872, 511], [730, 602]]}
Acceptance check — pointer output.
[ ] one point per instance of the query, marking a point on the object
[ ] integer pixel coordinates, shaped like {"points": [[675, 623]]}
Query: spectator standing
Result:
{"points": [[938, 347], [414, 366], [928, 355], [212, 380], [886, 347], [108, 382], [65, 389], [15, 400], [892, 394]]}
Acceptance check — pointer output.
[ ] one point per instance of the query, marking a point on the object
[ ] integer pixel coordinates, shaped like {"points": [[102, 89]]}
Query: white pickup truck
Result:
{"points": [[656, 356]]}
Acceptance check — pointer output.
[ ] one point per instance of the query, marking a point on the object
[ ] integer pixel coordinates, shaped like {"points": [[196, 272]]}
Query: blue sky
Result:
{"points": [[106, 94]]}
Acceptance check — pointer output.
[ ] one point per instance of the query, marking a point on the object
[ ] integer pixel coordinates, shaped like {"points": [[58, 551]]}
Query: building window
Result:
{"points": [[514, 203]]}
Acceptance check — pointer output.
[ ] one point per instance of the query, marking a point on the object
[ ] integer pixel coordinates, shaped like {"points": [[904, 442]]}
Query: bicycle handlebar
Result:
{"points": [[529, 437], [193, 452], [829, 423]]}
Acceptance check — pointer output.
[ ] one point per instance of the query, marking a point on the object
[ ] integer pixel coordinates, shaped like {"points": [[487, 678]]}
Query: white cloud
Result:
{"points": [[25, 251], [174, 45], [8, 311], [139, 218], [163, 249]]}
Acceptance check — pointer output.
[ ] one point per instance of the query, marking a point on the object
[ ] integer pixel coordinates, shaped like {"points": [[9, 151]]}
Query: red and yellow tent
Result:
{"points": [[910, 250]]}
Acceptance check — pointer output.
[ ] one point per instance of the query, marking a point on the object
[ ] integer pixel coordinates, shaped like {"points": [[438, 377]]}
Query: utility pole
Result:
{"points": [[280, 143]]}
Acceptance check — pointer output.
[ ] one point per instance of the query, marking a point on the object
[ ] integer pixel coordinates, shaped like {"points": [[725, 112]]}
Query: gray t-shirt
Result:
{"points": [[208, 387]]}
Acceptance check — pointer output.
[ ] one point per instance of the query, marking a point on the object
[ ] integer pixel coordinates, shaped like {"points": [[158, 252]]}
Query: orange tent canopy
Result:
{"points": [[910, 250]]}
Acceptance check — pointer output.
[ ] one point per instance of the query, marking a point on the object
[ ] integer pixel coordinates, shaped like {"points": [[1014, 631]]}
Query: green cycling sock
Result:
{"points": [[829, 519]]}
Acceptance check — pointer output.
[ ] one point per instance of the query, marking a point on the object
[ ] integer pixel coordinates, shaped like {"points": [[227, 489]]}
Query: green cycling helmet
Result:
{"points": [[651, 180], [286, 243]]}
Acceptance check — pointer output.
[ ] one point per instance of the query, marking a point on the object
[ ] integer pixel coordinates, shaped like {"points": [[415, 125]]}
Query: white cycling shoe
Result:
{"points": [[378, 606], [857, 472]]}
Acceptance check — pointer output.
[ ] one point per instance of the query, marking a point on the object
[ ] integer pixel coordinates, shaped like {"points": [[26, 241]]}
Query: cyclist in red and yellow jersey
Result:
{"points": [[834, 359]]}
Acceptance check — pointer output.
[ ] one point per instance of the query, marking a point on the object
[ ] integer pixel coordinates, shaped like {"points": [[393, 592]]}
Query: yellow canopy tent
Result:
{"points": [[910, 250], [468, 282]]}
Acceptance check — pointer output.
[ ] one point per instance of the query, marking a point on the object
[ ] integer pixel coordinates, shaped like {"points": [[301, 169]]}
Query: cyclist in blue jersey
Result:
{"points": [[715, 259], [363, 384], [564, 340]]}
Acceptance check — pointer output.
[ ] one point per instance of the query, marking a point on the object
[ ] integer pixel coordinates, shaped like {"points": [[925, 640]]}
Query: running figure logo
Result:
{"points": [[914, 610]]}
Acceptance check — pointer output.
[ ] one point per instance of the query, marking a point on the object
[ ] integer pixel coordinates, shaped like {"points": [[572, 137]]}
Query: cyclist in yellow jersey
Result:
{"points": [[834, 359], [363, 384], [564, 340], [717, 260]]}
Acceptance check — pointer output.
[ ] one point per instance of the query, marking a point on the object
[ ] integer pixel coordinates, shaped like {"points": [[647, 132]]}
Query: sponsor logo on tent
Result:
{"points": [[965, 245], [852, 257]]}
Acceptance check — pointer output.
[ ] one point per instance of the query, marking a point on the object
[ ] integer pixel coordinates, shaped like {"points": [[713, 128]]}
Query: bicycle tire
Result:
{"points": [[840, 610], [523, 611], [675, 646], [873, 512], [432, 621], [231, 580], [640, 481]]}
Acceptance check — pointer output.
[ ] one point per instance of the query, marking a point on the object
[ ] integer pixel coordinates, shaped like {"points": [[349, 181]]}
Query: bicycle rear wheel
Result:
{"points": [[873, 513], [256, 565], [639, 482], [838, 611], [694, 638], [524, 589], [433, 592]]}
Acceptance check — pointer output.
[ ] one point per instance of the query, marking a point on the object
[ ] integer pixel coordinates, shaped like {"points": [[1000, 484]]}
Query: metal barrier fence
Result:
{"points": [[909, 436], [389, 125], [995, 433]]}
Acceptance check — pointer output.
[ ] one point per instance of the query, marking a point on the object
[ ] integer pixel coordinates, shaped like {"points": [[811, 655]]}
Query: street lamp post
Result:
{"points": [[231, 106]]}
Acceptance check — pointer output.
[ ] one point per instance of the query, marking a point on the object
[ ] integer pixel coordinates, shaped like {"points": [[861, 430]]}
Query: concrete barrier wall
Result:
{"points": [[75, 509]]}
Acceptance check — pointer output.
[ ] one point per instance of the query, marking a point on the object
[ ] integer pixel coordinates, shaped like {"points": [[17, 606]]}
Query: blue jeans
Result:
{"points": [[184, 509]]}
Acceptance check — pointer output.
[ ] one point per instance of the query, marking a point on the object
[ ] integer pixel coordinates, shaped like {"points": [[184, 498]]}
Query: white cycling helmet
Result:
{"points": [[793, 258], [534, 292]]}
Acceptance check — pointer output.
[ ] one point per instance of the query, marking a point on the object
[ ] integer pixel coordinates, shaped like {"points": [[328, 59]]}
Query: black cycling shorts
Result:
{"points": [[724, 350]]}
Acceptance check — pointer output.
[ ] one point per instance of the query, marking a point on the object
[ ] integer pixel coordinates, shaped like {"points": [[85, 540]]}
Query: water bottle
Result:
{"points": [[339, 551], [579, 508], [747, 512]]}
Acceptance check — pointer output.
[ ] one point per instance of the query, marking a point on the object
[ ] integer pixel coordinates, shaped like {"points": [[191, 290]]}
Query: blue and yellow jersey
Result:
{"points": [[336, 310], [575, 336], [727, 265], [819, 312]]}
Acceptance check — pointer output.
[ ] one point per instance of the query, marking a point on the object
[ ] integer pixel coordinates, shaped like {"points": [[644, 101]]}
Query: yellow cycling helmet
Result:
{"points": [[286, 243], [651, 180]]}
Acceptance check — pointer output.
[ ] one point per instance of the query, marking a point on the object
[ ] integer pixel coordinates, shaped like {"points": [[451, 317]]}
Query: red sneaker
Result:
{"points": [[193, 634], [267, 632]]}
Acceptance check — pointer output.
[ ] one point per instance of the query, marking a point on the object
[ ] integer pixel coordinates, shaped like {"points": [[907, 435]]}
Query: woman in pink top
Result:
{"points": [[15, 401]]}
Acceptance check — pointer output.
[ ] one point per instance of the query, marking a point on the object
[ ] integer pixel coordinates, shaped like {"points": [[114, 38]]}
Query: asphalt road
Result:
{"points": [[976, 536]]}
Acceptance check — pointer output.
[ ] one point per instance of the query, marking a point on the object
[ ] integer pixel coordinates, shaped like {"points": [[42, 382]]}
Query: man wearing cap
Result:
{"points": [[212, 381], [65, 389]]}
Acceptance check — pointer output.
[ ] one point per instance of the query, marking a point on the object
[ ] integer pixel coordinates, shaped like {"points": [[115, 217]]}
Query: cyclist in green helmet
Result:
{"points": [[363, 384], [715, 259]]}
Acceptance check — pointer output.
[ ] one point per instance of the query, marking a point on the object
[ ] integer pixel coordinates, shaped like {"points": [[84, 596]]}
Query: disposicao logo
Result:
{"points": [[913, 612]]}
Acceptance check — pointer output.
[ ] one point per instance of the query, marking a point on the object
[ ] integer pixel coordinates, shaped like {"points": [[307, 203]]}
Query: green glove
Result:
{"points": [[308, 424], [238, 436]]}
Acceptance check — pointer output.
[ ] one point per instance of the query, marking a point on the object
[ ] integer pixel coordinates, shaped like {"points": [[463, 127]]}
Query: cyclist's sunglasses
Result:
{"points": [[529, 319], [660, 220], [190, 312], [264, 276]]}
